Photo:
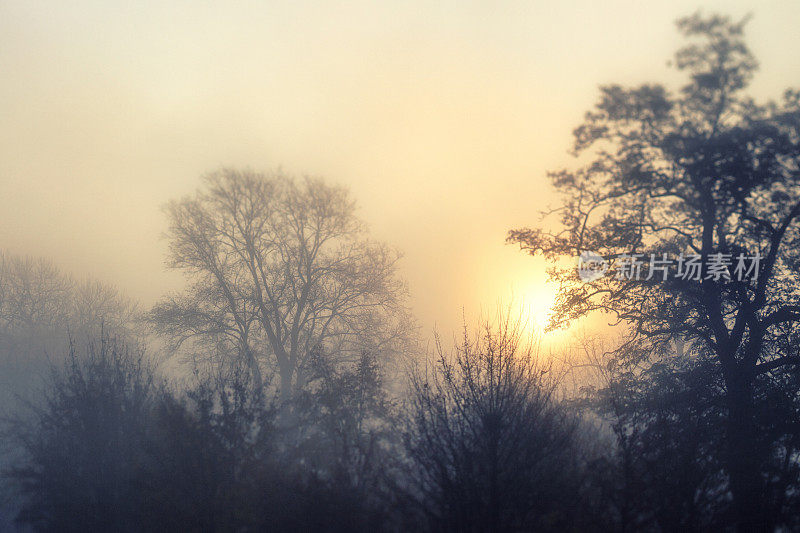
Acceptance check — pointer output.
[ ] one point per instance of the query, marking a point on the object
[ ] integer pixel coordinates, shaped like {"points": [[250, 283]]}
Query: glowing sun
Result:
{"points": [[535, 305]]}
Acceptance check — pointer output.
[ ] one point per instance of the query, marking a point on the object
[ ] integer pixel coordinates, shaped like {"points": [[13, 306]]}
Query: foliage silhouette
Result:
{"points": [[705, 171]]}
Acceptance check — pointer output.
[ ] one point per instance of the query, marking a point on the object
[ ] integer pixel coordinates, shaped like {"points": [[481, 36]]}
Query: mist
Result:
{"points": [[141, 143]]}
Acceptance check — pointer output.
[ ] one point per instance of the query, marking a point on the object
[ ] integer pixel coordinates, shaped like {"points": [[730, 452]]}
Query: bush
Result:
{"points": [[490, 448]]}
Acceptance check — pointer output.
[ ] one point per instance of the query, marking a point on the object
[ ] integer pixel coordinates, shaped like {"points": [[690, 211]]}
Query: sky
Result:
{"points": [[442, 118]]}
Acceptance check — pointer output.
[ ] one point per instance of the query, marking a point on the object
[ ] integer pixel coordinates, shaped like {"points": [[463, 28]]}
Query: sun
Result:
{"points": [[535, 305], [541, 311]]}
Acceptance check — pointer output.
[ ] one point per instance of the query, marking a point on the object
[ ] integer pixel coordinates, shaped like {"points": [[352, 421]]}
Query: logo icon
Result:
{"points": [[591, 266]]}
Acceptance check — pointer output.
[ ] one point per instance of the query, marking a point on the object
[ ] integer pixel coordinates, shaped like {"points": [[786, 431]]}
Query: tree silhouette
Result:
{"points": [[489, 446], [703, 171], [83, 446], [279, 268], [40, 307]]}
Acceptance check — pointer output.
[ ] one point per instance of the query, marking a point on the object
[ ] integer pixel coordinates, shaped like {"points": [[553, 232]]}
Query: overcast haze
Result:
{"points": [[441, 119]]}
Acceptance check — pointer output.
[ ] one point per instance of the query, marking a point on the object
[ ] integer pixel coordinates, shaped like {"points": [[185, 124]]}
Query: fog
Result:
{"points": [[198, 334]]}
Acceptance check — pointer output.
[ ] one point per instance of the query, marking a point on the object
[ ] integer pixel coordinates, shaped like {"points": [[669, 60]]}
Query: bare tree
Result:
{"points": [[40, 307], [277, 268], [35, 294]]}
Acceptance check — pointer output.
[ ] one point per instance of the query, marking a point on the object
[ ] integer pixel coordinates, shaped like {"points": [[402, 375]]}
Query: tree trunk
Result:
{"points": [[744, 457], [286, 374], [255, 370]]}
